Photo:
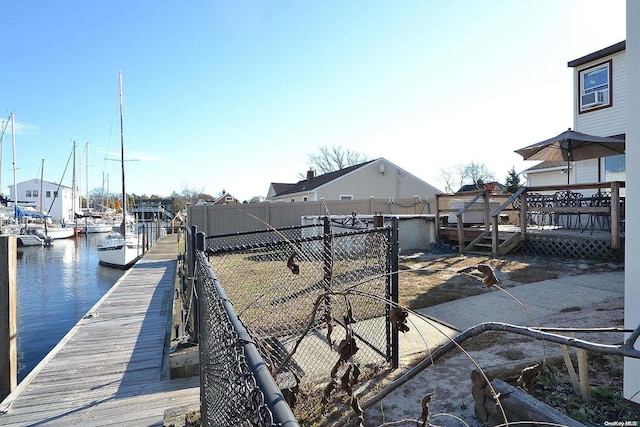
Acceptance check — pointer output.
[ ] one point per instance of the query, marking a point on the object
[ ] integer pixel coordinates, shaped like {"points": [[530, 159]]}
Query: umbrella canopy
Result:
{"points": [[571, 146]]}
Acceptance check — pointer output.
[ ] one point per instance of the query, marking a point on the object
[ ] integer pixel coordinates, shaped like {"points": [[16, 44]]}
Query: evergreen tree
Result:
{"points": [[513, 181]]}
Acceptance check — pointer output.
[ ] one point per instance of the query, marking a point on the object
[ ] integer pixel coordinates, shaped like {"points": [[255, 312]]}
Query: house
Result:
{"points": [[494, 187], [547, 173], [224, 199], [377, 178], [151, 209], [632, 248], [53, 199], [600, 108]]}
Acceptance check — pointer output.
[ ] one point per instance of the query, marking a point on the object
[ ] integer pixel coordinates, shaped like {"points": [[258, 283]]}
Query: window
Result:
{"points": [[28, 193], [55, 194], [34, 193], [346, 197], [305, 199], [595, 87], [48, 194], [615, 168], [229, 199]]}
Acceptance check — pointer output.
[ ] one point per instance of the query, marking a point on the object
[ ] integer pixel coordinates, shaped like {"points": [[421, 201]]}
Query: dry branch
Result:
{"points": [[617, 350]]}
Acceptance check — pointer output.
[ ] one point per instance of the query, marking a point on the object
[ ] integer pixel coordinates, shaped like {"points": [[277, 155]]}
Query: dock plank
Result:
{"points": [[110, 368]]}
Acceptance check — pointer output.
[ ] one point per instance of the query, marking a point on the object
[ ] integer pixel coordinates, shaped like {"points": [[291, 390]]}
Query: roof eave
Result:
{"points": [[594, 56]]}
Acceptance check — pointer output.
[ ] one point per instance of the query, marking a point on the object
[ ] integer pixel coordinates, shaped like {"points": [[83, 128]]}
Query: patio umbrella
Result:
{"points": [[571, 146]]}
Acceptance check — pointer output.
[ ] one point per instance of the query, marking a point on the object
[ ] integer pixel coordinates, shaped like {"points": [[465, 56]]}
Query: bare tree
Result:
{"points": [[456, 176], [335, 158], [185, 197]]}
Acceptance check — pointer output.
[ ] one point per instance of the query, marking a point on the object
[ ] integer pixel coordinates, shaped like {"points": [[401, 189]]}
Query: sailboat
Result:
{"points": [[121, 249]]}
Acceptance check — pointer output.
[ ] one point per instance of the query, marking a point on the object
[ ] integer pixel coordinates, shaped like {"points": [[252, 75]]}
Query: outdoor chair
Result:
{"points": [[537, 216], [601, 219], [569, 199]]}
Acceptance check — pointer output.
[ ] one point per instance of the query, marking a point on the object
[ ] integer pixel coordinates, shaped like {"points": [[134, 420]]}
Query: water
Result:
{"points": [[57, 285]]}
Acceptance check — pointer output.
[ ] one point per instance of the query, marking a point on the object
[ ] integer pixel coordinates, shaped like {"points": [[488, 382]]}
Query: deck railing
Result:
{"points": [[540, 206]]}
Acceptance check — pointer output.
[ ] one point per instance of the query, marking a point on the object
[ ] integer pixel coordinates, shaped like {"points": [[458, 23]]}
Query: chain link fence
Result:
{"points": [[314, 302]]}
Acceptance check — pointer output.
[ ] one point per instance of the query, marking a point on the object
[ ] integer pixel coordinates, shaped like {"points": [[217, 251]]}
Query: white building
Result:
{"points": [[53, 199], [600, 108], [632, 246]]}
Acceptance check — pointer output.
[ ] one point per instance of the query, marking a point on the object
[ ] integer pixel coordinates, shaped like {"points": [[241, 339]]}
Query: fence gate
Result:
{"points": [[315, 299]]}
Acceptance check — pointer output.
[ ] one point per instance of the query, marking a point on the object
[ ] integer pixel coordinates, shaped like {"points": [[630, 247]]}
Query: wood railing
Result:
{"points": [[491, 219]]}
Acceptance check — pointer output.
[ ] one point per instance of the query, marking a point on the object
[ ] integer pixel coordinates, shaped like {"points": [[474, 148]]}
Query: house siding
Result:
{"points": [[379, 179], [632, 229], [607, 121], [586, 171], [368, 182], [538, 179]]}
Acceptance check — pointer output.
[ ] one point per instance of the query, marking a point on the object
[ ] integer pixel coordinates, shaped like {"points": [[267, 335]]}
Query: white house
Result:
{"points": [[377, 178], [632, 246], [50, 198], [600, 108]]}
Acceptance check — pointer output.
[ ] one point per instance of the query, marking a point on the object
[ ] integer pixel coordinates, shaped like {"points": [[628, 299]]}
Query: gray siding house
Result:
{"points": [[377, 178]]}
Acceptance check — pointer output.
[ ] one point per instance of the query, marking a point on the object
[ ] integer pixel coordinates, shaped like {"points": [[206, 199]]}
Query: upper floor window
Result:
{"points": [[346, 197], [595, 87], [28, 193]]}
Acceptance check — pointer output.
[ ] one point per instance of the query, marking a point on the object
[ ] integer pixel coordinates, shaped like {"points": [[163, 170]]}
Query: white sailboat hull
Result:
{"points": [[55, 232], [120, 252], [29, 240], [99, 228]]}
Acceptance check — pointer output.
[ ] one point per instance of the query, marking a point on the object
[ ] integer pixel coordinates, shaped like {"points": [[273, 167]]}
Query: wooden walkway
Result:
{"points": [[112, 367]]}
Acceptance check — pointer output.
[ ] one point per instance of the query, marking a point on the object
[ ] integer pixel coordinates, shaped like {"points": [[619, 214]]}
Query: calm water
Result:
{"points": [[57, 286]]}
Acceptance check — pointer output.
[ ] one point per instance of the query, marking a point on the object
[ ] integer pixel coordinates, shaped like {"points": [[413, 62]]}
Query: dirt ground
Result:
{"points": [[426, 281]]}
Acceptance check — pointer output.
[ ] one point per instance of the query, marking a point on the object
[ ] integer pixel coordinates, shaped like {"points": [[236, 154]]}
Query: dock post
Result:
{"points": [[8, 315]]}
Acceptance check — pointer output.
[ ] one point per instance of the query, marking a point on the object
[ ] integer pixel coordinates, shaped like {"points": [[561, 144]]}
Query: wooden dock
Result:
{"points": [[112, 368]]}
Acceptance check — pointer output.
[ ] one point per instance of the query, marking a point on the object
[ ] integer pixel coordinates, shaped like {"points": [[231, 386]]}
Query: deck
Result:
{"points": [[112, 367]]}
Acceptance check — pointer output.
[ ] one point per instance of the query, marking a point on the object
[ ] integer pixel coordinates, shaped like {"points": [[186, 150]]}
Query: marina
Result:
{"points": [[112, 366]]}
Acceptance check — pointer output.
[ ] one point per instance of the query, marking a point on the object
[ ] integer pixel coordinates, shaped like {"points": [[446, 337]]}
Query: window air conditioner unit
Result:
{"points": [[593, 98]]}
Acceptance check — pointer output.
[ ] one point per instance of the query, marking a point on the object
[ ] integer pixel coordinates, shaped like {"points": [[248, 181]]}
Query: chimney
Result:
{"points": [[311, 174]]}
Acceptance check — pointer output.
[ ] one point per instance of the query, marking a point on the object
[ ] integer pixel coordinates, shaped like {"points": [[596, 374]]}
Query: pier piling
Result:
{"points": [[8, 315]]}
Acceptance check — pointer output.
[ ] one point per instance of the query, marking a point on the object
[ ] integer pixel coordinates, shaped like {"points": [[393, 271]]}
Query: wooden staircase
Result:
{"points": [[482, 245]]}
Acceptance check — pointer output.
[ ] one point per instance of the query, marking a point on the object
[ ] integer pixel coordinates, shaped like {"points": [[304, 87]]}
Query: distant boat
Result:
{"points": [[98, 227], [122, 249], [55, 232]]}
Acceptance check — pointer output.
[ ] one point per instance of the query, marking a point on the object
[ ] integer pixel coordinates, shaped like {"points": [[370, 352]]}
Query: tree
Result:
{"points": [[513, 181], [456, 176], [334, 158], [187, 196]]}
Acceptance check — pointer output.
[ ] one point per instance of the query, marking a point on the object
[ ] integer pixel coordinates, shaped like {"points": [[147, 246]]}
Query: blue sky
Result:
{"points": [[235, 95]]}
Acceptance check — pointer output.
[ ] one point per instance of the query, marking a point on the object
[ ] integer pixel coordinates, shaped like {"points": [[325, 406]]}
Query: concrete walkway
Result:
{"points": [[540, 299]]}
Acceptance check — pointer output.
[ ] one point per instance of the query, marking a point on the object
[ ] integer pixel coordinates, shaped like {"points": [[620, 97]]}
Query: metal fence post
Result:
{"points": [[191, 248], [328, 242], [394, 253]]}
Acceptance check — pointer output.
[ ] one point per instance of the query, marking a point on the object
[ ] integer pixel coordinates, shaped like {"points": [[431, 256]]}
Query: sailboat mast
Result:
{"points": [[13, 141], [124, 193], [86, 181], [4, 127], [41, 185], [73, 185]]}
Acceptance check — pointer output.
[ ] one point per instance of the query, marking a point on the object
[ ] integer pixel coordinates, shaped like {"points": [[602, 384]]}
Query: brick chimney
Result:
{"points": [[311, 174]]}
